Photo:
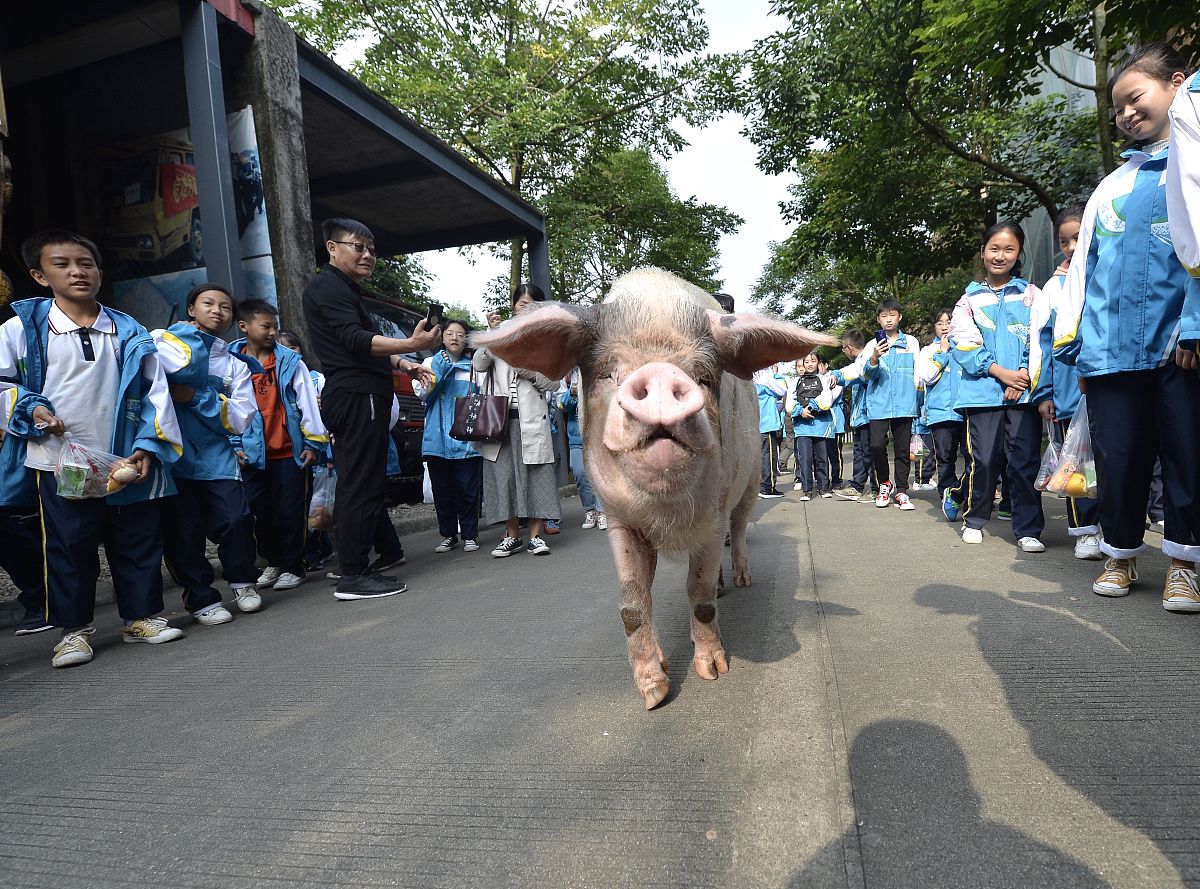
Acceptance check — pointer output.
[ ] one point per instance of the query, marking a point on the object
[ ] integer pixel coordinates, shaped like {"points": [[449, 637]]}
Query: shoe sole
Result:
{"points": [[204, 622], [470, 549], [1089, 557], [154, 640], [284, 587], [1186, 606], [539, 552], [505, 555], [846, 496], [1109, 592], [1034, 551], [32, 632], [247, 609], [350, 597], [74, 662]]}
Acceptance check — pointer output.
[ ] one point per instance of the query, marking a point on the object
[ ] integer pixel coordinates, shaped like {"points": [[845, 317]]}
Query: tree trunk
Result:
{"points": [[516, 260], [1100, 55]]}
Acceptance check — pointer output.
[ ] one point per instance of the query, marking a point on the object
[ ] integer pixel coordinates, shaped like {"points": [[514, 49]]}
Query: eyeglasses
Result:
{"points": [[359, 247]]}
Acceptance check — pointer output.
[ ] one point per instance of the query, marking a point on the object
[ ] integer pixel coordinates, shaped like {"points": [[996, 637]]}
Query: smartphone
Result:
{"points": [[433, 317], [881, 336]]}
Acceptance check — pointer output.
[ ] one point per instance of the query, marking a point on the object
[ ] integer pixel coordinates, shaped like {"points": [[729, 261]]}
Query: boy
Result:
{"points": [[82, 368], [892, 401], [854, 385], [284, 440], [770, 388]]}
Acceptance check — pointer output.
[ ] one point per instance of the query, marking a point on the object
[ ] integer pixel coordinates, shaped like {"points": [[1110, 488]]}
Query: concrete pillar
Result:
{"points": [[210, 143], [539, 262], [267, 77]]}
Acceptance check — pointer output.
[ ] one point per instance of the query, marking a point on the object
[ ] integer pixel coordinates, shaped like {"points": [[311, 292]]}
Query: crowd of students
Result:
{"points": [[1119, 320]]}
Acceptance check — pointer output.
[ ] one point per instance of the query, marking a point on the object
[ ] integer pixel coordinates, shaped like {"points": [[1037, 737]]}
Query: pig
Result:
{"points": [[670, 430]]}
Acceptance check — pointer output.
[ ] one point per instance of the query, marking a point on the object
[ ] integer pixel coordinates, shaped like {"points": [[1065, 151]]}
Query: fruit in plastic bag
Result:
{"points": [[83, 473]]}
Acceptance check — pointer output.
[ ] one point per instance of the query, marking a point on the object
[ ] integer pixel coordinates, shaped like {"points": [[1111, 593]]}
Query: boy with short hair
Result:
{"points": [[285, 438], [890, 371], [769, 386], [854, 387], [88, 370]]}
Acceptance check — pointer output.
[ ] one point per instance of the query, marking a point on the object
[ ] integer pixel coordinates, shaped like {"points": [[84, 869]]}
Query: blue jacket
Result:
{"points": [[145, 422], [891, 385], [1125, 293], [454, 379], [822, 423], [1065, 376], [770, 388], [251, 442], [941, 377], [1002, 328], [570, 405]]}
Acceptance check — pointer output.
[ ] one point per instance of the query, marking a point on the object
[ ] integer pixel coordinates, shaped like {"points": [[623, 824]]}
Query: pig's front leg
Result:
{"points": [[636, 561], [708, 656]]}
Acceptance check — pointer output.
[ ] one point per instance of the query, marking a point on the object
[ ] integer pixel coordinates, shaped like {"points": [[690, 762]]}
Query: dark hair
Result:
{"points": [[726, 302], [290, 340], [31, 250], [1156, 60], [248, 308], [203, 288], [888, 305], [1007, 225], [937, 316], [1069, 212], [531, 290], [854, 337], [459, 321], [342, 225]]}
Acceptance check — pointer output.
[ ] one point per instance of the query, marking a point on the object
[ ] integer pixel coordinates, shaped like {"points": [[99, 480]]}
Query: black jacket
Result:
{"points": [[340, 331]]}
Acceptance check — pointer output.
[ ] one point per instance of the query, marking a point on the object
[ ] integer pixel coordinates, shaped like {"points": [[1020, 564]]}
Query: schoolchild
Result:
{"points": [[1127, 307], [812, 418], [833, 447], [86, 370], [1004, 376], [214, 398], [940, 376], [593, 516], [1083, 513], [286, 437], [890, 371], [862, 485], [768, 384], [20, 524], [923, 463]]}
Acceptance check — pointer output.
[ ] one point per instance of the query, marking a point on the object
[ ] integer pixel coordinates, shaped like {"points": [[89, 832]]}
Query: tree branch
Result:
{"points": [[1045, 65], [466, 140]]}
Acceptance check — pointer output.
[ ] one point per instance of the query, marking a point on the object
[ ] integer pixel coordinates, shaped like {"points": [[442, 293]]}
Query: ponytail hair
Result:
{"points": [[1017, 232], [1159, 61]]}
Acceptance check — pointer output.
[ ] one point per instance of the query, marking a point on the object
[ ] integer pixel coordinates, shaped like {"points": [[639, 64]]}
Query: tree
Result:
{"points": [[533, 91], [405, 280]]}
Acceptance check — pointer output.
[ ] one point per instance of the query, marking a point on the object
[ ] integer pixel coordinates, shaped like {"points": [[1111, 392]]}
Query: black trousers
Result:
{"points": [[74, 529], [1009, 437], [901, 432], [456, 485], [1135, 417], [1083, 513], [864, 467], [833, 450], [213, 510], [359, 422], [770, 460], [278, 497], [21, 556], [384, 539], [812, 463], [947, 440]]}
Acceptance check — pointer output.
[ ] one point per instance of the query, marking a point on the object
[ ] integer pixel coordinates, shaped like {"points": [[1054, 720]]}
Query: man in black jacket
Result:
{"points": [[357, 361]]}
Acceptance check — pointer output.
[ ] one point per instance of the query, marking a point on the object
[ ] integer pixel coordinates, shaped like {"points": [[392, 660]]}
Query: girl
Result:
{"points": [[455, 468], [518, 475], [940, 377], [1004, 375], [1119, 321], [812, 418], [1083, 513], [214, 398]]}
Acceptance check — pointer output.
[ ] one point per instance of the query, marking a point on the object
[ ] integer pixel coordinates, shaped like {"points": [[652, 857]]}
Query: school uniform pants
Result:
{"points": [[278, 498], [359, 422], [587, 494], [947, 441], [812, 464], [770, 460], [1008, 438], [21, 556], [901, 432], [1083, 513], [216, 510], [73, 531], [864, 466], [833, 450], [456, 485], [1135, 417]]}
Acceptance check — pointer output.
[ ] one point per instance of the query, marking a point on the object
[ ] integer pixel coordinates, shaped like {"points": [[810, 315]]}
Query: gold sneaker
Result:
{"points": [[1118, 577], [73, 648], [151, 629], [1182, 592]]}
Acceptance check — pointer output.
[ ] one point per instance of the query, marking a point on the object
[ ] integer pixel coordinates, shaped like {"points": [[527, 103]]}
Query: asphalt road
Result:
{"points": [[901, 711]]}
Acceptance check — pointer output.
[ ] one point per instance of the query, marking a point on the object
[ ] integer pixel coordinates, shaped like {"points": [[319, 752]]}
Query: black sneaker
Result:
{"points": [[383, 563], [31, 624], [508, 546], [368, 586]]}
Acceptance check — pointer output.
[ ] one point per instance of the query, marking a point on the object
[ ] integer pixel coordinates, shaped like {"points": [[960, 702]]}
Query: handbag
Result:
{"points": [[480, 416]]}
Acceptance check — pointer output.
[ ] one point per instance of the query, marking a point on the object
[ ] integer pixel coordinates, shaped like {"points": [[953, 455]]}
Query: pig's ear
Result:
{"points": [[548, 338], [748, 342]]}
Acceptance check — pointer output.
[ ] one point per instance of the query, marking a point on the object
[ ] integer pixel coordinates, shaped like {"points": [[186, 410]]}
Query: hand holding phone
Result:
{"points": [[434, 317]]}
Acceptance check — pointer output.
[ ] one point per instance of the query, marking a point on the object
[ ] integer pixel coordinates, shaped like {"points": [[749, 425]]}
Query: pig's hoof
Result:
{"points": [[742, 578], [655, 693], [710, 664]]}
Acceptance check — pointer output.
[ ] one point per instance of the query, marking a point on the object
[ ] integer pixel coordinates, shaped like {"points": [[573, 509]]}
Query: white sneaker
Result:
{"points": [[884, 498], [827, 495], [601, 522], [589, 520], [538, 547], [288, 581], [213, 615], [972, 535], [73, 649], [902, 502], [469, 546], [799, 486], [1031, 545], [805, 496], [446, 545], [1087, 548], [246, 598], [268, 577]]}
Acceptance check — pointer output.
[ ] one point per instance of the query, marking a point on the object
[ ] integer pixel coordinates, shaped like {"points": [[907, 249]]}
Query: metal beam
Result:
{"points": [[483, 233], [539, 263], [374, 177], [210, 143]]}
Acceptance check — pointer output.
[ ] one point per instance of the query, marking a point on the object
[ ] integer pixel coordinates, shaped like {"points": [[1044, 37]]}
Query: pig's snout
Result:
{"points": [[660, 394]]}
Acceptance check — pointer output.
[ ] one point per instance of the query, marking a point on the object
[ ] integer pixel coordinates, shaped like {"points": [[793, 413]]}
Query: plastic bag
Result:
{"points": [[320, 509], [1050, 461], [1076, 472], [83, 473], [918, 448]]}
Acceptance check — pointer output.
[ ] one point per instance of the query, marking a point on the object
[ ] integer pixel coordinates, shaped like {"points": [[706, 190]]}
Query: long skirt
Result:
{"points": [[510, 488]]}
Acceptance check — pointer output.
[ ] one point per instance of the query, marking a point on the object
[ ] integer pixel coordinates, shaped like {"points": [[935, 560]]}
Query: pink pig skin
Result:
{"points": [[670, 429]]}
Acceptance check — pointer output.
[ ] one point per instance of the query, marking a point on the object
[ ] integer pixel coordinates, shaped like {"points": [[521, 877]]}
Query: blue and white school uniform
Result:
{"points": [[939, 375], [769, 387], [1001, 326], [892, 404], [455, 468], [20, 523], [1183, 200], [854, 387], [814, 434], [1121, 317]]}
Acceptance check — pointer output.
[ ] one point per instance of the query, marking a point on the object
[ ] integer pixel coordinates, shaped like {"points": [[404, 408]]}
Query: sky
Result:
{"points": [[717, 167]]}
